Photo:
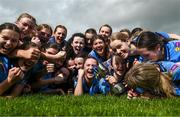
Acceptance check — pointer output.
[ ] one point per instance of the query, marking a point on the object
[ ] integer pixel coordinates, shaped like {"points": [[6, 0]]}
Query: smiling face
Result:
{"points": [[45, 34], [78, 44], [71, 64], [8, 41], [60, 35], [88, 68], [79, 62], [99, 46], [105, 31], [120, 48], [119, 65], [36, 39], [26, 25], [89, 39]]}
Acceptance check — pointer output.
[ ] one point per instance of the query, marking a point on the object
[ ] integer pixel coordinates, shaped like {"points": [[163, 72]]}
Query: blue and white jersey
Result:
{"points": [[172, 51], [167, 66], [95, 55], [171, 67], [99, 86]]}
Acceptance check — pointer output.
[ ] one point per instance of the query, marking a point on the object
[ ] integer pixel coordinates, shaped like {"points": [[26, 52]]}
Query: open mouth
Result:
{"points": [[100, 50], [5, 50], [59, 39], [77, 49], [90, 73]]}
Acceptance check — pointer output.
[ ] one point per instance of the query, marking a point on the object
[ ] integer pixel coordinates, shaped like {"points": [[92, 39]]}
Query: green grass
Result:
{"points": [[88, 105]]}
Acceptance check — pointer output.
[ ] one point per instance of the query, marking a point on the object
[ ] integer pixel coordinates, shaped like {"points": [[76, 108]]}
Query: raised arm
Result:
{"points": [[79, 87], [14, 75], [60, 55]]}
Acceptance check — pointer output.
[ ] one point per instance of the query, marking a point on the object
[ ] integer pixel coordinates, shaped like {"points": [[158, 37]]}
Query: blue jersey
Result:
{"points": [[172, 48], [94, 54], [46, 87], [62, 46], [5, 65], [167, 66], [172, 51], [98, 86]]}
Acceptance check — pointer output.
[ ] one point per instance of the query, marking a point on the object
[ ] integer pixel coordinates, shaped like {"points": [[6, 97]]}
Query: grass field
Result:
{"points": [[41, 105]]}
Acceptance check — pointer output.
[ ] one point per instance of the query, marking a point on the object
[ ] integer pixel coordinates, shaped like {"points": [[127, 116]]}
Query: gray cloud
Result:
{"points": [[78, 15]]}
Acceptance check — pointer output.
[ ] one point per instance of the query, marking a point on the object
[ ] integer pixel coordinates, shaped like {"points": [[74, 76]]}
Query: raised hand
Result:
{"points": [[80, 73], [15, 74], [132, 94], [61, 55], [111, 79], [32, 53]]}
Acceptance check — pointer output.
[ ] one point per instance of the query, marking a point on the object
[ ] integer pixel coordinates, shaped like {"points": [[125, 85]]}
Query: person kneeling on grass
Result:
{"points": [[148, 82], [87, 81]]}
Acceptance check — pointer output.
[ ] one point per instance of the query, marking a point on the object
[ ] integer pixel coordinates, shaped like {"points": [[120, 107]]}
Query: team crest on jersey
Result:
{"points": [[177, 46]]}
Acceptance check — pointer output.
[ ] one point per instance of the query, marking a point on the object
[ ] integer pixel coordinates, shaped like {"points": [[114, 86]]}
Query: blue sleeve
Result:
{"points": [[92, 54], [163, 34], [139, 90], [177, 91], [165, 66]]}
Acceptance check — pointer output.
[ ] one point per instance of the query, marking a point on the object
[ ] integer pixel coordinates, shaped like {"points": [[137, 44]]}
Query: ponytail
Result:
{"points": [[166, 86]]}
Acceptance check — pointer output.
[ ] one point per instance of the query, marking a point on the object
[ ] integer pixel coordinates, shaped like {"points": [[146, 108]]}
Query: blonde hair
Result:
{"points": [[26, 15], [119, 36], [147, 76]]}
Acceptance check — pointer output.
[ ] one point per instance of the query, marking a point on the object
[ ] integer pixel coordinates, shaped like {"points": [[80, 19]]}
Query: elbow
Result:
{"points": [[77, 94]]}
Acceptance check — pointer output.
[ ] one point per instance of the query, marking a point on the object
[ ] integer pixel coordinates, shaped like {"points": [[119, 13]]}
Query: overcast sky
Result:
{"points": [[78, 15]]}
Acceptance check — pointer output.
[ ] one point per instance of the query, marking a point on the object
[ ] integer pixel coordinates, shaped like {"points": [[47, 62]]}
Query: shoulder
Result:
{"points": [[51, 40], [92, 53], [173, 44], [165, 65], [163, 34]]}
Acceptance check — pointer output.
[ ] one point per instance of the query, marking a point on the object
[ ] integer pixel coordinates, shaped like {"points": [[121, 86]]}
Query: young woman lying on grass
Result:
{"points": [[147, 80]]}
